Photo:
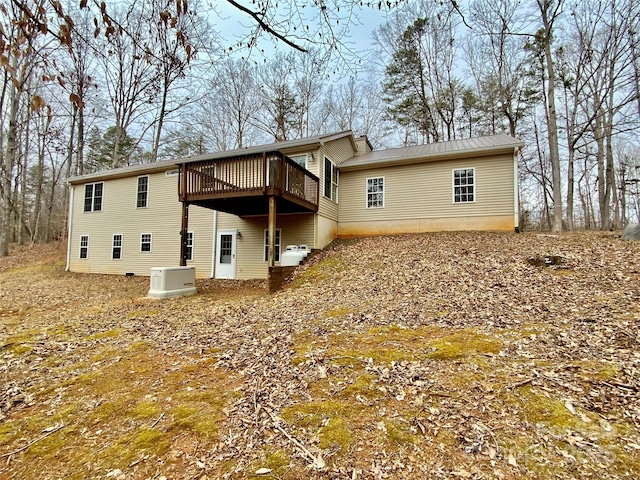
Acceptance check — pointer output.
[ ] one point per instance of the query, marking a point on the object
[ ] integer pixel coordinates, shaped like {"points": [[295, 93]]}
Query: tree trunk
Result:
{"points": [[610, 192], [23, 169], [70, 155], [80, 151], [552, 133], [9, 163], [163, 112], [570, 125], [37, 207], [548, 18], [603, 198]]}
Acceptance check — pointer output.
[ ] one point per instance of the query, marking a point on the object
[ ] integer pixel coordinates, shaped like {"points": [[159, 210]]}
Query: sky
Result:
{"points": [[232, 25]]}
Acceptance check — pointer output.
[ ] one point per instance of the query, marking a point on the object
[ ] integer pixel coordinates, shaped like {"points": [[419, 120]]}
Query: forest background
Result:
{"points": [[92, 86]]}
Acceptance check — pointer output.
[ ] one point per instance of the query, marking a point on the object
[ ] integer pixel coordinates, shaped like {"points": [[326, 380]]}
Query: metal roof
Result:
{"points": [[284, 147], [393, 156], [433, 152]]}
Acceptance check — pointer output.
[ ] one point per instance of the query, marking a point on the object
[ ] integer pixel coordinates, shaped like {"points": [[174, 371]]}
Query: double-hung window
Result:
{"points": [[276, 250], [330, 180], [189, 246], [116, 250], [145, 242], [143, 191], [464, 185], [84, 246], [375, 192], [93, 197]]}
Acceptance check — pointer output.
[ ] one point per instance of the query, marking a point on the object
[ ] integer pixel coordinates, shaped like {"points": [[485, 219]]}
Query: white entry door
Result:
{"points": [[226, 254]]}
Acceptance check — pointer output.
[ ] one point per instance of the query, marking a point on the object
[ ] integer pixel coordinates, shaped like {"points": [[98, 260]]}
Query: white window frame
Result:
{"points": [[277, 249], [86, 247], [474, 186], [295, 158], [367, 192], [142, 242], [146, 193], [335, 180], [114, 246], [189, 250], [93, 208]]}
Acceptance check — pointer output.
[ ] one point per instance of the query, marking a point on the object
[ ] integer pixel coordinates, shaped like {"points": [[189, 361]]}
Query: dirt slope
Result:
{"points": [[442, 355]]}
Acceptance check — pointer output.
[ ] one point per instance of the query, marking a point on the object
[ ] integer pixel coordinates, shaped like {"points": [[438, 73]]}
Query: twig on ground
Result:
{"points": [[621, 386], [495, 440], [317, 461], [157, 420], [42, 437], [520, 384]]}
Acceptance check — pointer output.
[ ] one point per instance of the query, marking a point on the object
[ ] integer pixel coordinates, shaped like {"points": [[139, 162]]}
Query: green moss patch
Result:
{"points": [[146, 410], [537, 407], [336, 433], [21, 343], [114, 333], [119, 412], [325, 269], [395, 344], [400, 432], [332, 420], [464, 344], [134, 446], [596, 370], [337, 312]]}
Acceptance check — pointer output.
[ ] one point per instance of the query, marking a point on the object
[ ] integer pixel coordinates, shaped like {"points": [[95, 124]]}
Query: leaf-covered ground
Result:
{"points": [[468, 355]]}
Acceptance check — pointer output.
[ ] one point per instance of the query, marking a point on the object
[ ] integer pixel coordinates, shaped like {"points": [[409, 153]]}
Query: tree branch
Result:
{"points": [[266, 27]]}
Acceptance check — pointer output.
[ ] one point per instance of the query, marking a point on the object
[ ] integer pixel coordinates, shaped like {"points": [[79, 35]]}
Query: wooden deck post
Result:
{"points": [[185, 216], [183, 234], [272, 231]]}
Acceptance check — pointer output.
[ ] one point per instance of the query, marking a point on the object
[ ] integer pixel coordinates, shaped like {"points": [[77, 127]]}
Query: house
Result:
{"points": [[214, 211]]}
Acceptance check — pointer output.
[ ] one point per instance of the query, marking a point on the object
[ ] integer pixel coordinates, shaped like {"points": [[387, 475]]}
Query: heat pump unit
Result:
{"points": [[172, 282]]}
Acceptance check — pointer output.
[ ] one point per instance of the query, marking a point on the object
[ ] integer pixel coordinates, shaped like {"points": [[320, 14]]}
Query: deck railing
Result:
{"points": [[269, 173]]}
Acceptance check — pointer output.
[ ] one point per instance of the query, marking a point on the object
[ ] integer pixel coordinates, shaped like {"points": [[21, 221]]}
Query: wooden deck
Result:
{"points": [[242, 185]]}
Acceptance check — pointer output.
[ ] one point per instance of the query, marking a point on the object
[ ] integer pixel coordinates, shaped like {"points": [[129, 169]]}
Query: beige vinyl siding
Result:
{"points": [[119, 215], [425, 191], [327, 207], [326, 231], [339, 150], [201, 224], [296, 229]]}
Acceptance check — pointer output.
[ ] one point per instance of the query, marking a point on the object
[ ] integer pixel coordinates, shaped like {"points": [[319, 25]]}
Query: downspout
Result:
{"points": [[215, 240], [70, 226], [516, 193]]}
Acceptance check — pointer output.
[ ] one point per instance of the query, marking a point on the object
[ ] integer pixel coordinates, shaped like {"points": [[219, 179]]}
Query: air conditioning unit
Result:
{"points": [[172, 282]]}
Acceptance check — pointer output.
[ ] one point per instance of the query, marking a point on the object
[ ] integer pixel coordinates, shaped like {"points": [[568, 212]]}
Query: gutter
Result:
{"points": [[516, 191], [434, 157]]}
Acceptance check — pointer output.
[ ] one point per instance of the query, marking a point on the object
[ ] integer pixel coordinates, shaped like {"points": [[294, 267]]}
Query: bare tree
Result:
{"points": [[420, 87], [175, 41], [550, 11], [229, 109], [607, 63], [281, 106], [495, 54], [21, 57], [129, 74]]}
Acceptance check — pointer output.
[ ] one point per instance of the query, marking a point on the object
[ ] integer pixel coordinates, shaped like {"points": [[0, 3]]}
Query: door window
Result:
{"points": [[225, 248]]}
